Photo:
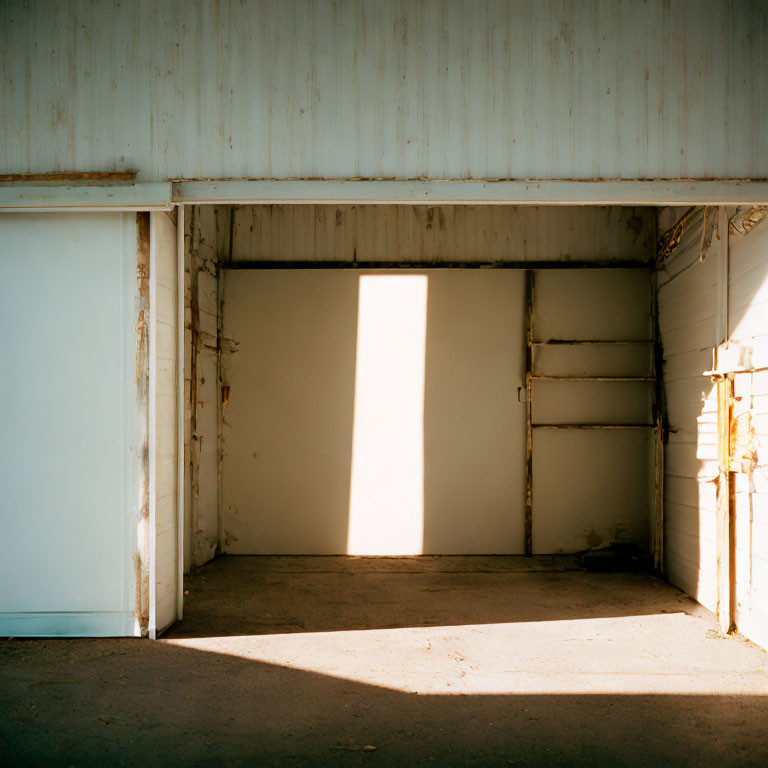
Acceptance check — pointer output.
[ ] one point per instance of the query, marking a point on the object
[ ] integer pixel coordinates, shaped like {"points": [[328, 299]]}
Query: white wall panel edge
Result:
{"points": [[456, 191], [136, 197]]}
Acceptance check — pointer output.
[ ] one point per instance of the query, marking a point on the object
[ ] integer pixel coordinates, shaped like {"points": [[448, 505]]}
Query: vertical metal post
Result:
{"points": [[529, 286]]}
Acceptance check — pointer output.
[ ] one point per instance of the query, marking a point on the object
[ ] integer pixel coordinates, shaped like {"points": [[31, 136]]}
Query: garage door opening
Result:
{"points": [[448, 382], [391, 380], [410, 381]]}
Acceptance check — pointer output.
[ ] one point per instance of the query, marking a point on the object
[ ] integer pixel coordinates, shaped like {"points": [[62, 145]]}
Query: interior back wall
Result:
{"points": [[591, 487]]}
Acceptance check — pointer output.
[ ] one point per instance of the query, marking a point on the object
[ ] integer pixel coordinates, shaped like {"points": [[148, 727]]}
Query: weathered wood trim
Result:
{"points": [[142, 560], [724, 532]]}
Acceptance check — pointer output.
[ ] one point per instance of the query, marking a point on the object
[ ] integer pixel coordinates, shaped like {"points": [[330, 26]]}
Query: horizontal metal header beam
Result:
{"points": [[163, 195], [436, 265], [458, 192], [88, 198]]}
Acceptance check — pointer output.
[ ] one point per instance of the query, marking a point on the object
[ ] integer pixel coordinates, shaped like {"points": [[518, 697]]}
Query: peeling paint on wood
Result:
{"points": [[745, 221], [142, 558], [203, 240]]}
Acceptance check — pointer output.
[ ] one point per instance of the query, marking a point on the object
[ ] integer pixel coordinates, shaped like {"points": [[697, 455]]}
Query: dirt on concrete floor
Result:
{"points": [[397, 662]]}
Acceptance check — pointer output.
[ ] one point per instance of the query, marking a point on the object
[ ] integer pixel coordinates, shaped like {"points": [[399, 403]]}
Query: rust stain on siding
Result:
{"points": [[99, 176]]}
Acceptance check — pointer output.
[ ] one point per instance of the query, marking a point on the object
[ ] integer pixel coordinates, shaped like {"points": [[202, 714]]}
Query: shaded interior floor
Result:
{"points": [[432, 661]]}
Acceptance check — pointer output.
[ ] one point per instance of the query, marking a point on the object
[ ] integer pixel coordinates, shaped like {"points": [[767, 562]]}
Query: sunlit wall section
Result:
{"points": [[687, 297], [386, 515], [748, 354]]}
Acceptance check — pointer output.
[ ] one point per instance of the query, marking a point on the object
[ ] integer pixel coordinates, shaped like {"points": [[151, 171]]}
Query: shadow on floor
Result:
{"points": [[278, 696], [265, 595], [129, 702]]}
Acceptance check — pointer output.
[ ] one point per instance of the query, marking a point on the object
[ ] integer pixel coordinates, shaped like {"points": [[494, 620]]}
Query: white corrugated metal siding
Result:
{"points": [[748, 326], [438, 88]]}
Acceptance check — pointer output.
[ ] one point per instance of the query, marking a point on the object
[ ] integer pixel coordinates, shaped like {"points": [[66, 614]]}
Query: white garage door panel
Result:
{"points": [[373, 413], [66, 406]]}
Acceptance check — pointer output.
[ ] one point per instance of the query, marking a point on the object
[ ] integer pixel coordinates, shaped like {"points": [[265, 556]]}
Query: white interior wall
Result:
{"points": [[701, 302], [748, 332], [72, 449], [373, 412], [687, 298], [620, 498]]}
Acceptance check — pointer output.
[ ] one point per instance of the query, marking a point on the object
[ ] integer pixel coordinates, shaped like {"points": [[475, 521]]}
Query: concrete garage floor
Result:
{"points": [[433, 661]]}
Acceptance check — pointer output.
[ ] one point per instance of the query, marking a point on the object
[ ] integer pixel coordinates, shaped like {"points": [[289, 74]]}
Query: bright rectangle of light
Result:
{"points": [[667, 653], [386, 509]]}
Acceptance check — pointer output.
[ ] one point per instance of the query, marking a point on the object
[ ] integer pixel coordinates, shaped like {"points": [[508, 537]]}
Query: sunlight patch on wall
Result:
{"points": [[386, 509]]}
